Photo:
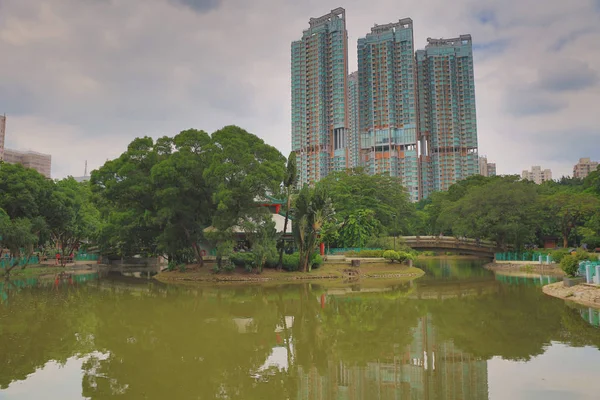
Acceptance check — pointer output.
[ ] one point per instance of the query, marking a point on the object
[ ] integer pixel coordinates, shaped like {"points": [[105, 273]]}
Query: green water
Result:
{"points": [[459, 332]]}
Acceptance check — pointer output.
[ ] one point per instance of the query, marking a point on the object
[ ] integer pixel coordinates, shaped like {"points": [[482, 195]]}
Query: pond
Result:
{"points": [[459, 332]]}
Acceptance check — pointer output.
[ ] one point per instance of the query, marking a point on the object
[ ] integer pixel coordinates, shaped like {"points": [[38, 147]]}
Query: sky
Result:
{"points": [[80, 79]]}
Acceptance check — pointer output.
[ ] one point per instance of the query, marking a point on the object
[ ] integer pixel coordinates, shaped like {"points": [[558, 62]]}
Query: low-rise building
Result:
{"points": [[537, 175], [584, 167], [486, 168], [42, 163]]}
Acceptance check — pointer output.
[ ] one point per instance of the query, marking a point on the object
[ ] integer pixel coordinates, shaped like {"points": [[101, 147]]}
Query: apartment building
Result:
{"points": [[42, 163], [353, 121], [319, 97], [537, 175], [388, 103], [584, 167], [486, 168], [447, 115], [2, 135]]}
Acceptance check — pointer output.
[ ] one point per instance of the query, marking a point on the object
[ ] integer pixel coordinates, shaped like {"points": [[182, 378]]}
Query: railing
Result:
{"points": [[526, 256], [86, 257], [342, 250], [591, 271], [10, 262]]}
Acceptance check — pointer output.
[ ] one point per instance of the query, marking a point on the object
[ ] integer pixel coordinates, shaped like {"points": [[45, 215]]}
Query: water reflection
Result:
{"points": [[436, 338]]}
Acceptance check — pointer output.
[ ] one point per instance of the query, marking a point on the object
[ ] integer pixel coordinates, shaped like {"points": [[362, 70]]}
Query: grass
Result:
{"points": [[35, 271], [331, 271]]}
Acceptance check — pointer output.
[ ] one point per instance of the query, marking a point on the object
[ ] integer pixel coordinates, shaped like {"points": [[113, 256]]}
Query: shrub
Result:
{"points": [[365, 254], [181, 267], [557, 255], [390, 255], [242, 259], [570, 265], [582, 255], [291, 261], [171, 265], [404, 256], [428, 253], [316, 260], [228, 266]]}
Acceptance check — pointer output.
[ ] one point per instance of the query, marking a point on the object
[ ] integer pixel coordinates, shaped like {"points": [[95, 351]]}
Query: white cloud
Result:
{"points": [[85, 77]]}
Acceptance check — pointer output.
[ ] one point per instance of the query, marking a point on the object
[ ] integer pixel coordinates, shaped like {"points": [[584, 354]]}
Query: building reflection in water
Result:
{"points": [[426, 369]]}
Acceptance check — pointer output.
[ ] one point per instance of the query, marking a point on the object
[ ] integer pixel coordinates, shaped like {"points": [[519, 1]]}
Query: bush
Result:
{"points": [[365, 254], [428, 253], [316, 260], [242, 259], [391, 255], [228, 266], [557, 255], [570, 265], [291, 261]]}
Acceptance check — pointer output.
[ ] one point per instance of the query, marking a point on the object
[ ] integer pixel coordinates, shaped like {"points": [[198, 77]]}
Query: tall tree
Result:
{"points": [[569, 210], [313, 209], [289, 182]]}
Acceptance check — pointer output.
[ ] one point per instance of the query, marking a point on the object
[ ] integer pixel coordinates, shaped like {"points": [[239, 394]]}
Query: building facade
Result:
{"points": [[584, 167], [353, 121], [319, 97], [42, 163], [2, 135], [486, 168], [537, 175], [388, 103], [447, 116]]}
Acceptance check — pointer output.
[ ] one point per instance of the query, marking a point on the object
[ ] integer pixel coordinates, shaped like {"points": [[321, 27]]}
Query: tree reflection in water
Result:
{"points": [[428, 340]]}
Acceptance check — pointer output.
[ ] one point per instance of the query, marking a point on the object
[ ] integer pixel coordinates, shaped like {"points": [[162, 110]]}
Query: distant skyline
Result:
{"points": [[80, 79]]}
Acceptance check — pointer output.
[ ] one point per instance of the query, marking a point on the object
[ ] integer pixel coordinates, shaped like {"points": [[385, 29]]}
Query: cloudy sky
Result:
{"points": [[79, 79]]}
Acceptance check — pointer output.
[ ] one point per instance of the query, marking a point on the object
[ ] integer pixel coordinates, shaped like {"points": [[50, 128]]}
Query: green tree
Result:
{"points": [[502, 211], [182, 197], [568, 211], [71, 217], [260, 232], [312, 210], [243, 170], [289, 182]]}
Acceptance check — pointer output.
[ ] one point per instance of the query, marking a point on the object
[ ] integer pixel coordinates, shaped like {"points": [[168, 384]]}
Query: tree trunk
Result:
{"points": [[197, 251], [285, 224], [565, 241]]}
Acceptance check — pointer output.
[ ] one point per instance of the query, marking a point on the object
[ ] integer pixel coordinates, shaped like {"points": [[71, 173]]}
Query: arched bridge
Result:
{"points": [[459, 245]]}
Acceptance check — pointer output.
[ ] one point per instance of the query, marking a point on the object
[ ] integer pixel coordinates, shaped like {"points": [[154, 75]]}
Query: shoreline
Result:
{"points": [[552, 269], [43, 271], [333, 273], [584, 294]]}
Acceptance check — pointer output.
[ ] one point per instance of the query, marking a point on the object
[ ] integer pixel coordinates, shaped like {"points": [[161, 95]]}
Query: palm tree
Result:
{"points": [[313, 209]]}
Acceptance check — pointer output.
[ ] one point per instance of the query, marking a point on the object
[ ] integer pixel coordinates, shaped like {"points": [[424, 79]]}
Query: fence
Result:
{"points": [[343, 250], [86, 257], [591, 271], [527, 256], [9, 262]]}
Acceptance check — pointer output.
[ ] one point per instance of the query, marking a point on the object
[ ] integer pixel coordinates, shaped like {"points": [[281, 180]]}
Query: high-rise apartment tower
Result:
{"points": [[2, 135], [319, 97], [447, 118], [388, 103], [353, 121]]}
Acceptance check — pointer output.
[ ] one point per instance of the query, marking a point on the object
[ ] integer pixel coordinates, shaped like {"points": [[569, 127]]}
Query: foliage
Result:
{"points": [[570, 265], [399, 256], [354, 193], [289, 182], [312, 210], [391, 255], [260, 232], [558, 255], [365, 253]]}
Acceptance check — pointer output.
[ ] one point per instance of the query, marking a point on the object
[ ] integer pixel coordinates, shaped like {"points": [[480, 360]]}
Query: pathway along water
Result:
{"points": [[459, 332]]}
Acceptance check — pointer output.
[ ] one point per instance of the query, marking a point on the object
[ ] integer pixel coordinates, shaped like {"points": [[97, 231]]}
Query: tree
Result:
{"points": [[182, 196], [289, 182], [18, 235], [71, 216], [125, 196], [260, 232], [312, 210], [243, 170], [569, 210], [501, 211], [355, 190], [357, 228]]}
